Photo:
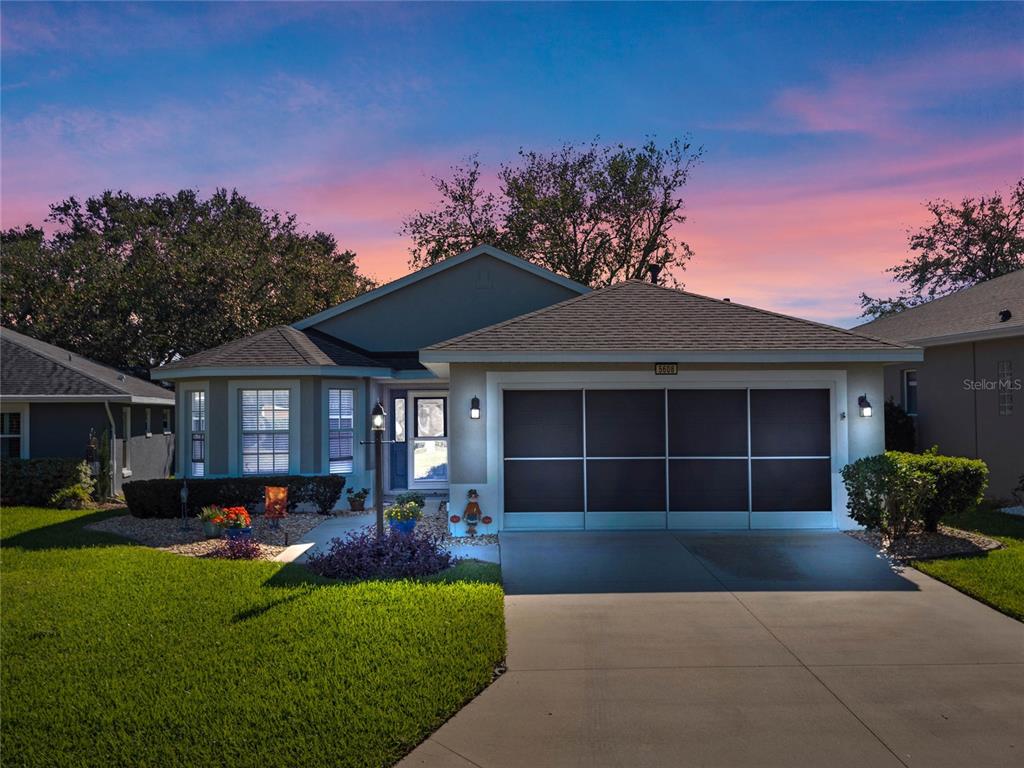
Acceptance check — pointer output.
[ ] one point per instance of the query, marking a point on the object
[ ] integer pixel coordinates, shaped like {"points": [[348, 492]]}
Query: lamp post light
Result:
{"points": [[378, 421]]}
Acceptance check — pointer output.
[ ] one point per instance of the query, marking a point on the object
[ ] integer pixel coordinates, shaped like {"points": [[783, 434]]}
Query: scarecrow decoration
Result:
{"points": [[472, 513]]}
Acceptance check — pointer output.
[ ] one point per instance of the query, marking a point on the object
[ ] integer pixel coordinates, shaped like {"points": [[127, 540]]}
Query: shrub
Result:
{"points": [[35, 482], [959, 483], [408, 510], [162, 498], [413, 496], [73, 497], [237, 549], [900, 431], [887, 495], [361, 555]]}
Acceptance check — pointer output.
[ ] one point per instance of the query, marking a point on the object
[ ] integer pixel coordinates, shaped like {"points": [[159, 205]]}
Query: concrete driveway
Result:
{"points": [[739, 649]]}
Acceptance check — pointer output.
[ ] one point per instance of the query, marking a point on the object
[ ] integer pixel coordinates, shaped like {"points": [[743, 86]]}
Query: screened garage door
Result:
{"points": [[675, 458]]}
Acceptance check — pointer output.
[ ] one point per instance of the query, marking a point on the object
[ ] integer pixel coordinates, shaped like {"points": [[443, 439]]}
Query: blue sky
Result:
{"points": [[825, 126]]}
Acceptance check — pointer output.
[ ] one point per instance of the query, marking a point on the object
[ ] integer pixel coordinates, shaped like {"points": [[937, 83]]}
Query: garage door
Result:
{"points": [[675, 458]]}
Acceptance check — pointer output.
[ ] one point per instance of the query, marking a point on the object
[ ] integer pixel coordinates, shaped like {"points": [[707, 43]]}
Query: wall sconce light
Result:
{"points": [[474, 408], [864, 405], [377, 417]]}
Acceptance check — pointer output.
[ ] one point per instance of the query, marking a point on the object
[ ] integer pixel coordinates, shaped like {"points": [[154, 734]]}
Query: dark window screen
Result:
{"points": [[707, 485], [792, 485], [544, 486], [627, 422], [707, 422], [636, 485], [543, 423], [789, 422]]}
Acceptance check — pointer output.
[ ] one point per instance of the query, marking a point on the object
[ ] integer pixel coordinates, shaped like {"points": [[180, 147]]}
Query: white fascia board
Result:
{"points": [[329, 371], [429, 357], [433, 269], [961, 338]]}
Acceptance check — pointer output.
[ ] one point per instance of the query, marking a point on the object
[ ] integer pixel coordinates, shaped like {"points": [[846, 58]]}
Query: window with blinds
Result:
{"points": [[265, 424], [197, 419], [341, 430]]}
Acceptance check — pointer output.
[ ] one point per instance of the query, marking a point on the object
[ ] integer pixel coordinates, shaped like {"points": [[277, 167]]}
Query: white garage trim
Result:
{"points": [[832, 380]]}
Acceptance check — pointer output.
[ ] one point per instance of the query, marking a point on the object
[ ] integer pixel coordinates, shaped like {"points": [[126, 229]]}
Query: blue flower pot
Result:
{"points": [[235, 534], [403, 526]]}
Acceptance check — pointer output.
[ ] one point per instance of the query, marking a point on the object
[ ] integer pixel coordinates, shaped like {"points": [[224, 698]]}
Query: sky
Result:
{"points": [[825, 127]]}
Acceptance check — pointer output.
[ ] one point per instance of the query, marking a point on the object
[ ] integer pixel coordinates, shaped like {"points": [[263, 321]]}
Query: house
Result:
{"points": [[51, 399], [965, 396], [633, 406]]}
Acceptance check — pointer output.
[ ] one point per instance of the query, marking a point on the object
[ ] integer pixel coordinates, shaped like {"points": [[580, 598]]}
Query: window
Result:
{"points": [[126, 441], [149, 422], [167, 421], [10, 434], [341, 429], [1005, 376], [910, 392], [265, 431], [399, 411], [197, 430]]}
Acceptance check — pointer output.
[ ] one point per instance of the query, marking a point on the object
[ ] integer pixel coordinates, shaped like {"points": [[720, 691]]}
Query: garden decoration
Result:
{"points": [[403, 517], [184, 506], [275, 504], [472, 512], [210, 517]]}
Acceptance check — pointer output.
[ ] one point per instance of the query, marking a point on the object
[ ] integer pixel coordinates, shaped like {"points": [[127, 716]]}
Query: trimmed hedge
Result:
{"points": [[162, 498], [35, 482], [960, 483]]}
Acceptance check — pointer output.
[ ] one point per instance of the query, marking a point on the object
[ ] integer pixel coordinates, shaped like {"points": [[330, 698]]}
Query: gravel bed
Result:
{"points": [[166, 535], [921, 545], [435, 520]]}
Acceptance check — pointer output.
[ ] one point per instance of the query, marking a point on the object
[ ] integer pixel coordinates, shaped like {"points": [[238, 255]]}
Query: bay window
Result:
{"points": [[265, 425]]}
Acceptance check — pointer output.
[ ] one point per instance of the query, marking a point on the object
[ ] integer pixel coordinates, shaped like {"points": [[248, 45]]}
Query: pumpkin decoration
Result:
{"points": [[455, 519], [486, 520]]}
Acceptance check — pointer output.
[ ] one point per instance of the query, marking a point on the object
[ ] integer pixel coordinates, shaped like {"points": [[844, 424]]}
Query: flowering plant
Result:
{"points": [[410, 510], [210, 514], [233, 517]]}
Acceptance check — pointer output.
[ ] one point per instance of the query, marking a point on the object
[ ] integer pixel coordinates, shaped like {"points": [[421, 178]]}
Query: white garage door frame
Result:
{"points": [[832, 380]]}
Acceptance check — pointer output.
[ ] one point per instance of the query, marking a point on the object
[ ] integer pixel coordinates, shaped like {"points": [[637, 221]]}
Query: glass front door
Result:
{"points": [[427, 442]]}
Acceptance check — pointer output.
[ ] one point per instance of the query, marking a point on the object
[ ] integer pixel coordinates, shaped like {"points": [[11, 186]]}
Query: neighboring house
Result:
{"points": [[633, 406], [966, 395], [50, 399]]}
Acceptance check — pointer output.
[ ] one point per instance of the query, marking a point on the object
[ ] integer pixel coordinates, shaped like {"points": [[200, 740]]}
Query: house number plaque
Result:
{"points": [[666, 369]]}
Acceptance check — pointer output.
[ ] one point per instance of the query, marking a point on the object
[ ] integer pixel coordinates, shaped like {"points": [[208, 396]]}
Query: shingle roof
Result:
{"points": [[29, 367], [637, 316], [280, 346], [972, 310]]}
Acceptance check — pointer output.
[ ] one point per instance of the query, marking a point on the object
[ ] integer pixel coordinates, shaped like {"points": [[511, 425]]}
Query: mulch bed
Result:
{"points": [[167, 535], [921, 545]]}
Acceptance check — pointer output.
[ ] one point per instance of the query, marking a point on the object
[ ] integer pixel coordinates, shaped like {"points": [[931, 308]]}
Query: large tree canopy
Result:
{"points": [[596, 214], [136, 281], [962, 246]]}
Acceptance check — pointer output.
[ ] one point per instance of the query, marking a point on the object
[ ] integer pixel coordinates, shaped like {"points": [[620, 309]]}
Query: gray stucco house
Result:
{"points": [[633, 406], [965, 396], [51, 398]]}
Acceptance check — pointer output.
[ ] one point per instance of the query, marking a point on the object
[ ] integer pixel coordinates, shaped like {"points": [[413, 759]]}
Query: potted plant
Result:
{"points": [[236, 523], [210, 517], [357, 499], [403, 517]]}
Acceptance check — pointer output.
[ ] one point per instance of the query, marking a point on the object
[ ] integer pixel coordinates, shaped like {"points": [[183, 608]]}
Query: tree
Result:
{"points": [[135, 282], [963, 245], [595, 214]]}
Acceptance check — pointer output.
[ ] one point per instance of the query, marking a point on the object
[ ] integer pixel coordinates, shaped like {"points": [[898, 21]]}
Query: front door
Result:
{"points": [[427, 441]]}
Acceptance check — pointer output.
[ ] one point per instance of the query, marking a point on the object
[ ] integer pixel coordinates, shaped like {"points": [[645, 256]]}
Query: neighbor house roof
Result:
{"points": [[638, 321], [287, 348], [34, 369], [972, 313], [441, 266]]}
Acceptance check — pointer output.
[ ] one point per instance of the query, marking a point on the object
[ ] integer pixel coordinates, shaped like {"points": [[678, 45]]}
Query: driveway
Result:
{"points": [[738, 649]]}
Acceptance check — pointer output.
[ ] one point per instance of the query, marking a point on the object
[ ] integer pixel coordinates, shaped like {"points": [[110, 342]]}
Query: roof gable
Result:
{"points": [[638, 319], [971, 311]]}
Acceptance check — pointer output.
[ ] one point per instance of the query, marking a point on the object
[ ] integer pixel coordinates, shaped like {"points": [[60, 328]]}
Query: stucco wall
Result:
{"points": [[472, 295]]}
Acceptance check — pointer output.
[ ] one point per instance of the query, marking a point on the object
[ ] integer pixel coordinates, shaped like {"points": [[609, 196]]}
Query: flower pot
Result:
{"points": [[211, 529], [403, 526], [235, 534], [357, 505]]}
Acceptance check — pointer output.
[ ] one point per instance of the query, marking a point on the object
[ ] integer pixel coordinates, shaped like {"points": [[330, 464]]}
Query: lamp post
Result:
{"points": [[378, 420]]}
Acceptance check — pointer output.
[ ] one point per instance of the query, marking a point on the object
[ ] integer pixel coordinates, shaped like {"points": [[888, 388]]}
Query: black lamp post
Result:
{"points": [[378, 420]]}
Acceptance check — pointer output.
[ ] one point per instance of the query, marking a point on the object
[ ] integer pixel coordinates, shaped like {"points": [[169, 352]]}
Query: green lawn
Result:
{"points": [[114, 654], [996, 578]]}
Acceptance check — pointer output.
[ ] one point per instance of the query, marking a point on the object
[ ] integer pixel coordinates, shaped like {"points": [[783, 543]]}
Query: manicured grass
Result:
{"points": [[996, 578], [114, 654]]}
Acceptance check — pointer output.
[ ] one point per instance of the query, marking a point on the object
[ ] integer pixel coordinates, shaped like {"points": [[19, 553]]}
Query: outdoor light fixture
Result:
{"points": [[865, 406], [474, 408], [377, 416]]}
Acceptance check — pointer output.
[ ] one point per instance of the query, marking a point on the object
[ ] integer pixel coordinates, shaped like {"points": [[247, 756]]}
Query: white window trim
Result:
{"points": [[235, 388], [358, 406], [126, 447], [168, 420], [184, 418], [905, 387], [23, 409]]}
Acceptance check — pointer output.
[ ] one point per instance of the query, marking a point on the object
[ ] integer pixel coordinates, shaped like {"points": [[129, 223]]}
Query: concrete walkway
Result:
{"points": [[751, 650], [319, 538]]}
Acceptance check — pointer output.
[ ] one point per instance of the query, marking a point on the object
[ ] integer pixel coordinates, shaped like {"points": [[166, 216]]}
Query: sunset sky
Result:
{"points": [[826, 127]]}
